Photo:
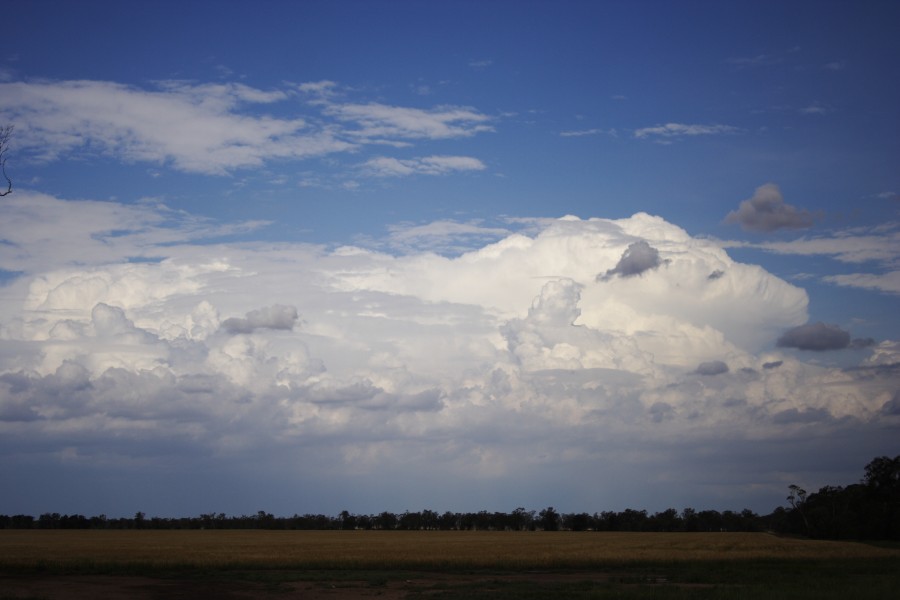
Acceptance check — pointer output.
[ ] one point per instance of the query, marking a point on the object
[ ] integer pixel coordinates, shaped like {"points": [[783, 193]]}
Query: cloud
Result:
{"points": [[876, 245], [196, 128], [882, 282], [766, 211], [815, 108], [586, 132], [713, 367], [672, 131], [374, 122], [382, 166], [837, 65], [506, 361], [444, 237], [759, 60], [271, 317], [637, 258], [815, 336], [216, 129]]}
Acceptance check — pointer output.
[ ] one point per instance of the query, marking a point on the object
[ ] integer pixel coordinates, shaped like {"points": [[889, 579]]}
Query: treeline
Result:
{"points": [[520, 519], [867, 510]]}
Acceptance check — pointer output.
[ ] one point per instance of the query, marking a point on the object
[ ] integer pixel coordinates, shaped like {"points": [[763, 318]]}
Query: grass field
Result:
{"points": [[470, 564]]}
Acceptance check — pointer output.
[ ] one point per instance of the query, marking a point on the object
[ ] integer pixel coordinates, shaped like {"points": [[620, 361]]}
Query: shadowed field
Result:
{"points": [[439, 564]]}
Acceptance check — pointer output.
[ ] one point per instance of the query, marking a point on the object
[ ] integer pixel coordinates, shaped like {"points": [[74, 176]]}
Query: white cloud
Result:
{"points": [[816, 108], [671, 131], [217, 128], [849, 246], [196, 128], [586, 132], [383, 166], [882, 282], [376, 121], [508, 359]]}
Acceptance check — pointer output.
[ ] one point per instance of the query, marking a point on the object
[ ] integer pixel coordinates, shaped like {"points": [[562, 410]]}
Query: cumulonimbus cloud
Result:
{"points": [[407, 363]]}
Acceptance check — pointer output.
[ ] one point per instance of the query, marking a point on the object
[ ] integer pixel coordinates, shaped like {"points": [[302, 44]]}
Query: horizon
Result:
{"points": [[463, 255]]}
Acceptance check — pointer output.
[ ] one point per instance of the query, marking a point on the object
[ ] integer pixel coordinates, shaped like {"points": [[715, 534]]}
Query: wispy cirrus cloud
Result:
{"points": [[195, 128], [383, 166], [216, 129], [588, 132], [672, 131], [878, 246], [376, 121]]}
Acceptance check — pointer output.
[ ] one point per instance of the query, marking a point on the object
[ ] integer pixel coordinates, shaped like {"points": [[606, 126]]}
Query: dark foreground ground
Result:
{"points": [[796, 580]]}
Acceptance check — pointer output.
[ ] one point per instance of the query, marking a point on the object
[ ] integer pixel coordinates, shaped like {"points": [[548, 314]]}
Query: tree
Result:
{"points": [[549, 519], [5, 135], [797, 498]]}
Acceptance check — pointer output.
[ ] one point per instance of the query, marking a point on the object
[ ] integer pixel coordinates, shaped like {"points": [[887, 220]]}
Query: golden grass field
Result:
{"points": [[400, 549]]}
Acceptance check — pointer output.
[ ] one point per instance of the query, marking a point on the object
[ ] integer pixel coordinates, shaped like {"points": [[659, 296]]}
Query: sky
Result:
{"points": [[306, 257]]}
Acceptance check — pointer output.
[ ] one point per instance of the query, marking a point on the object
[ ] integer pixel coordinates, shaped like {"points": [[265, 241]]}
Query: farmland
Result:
{"points": [[455, 564]]}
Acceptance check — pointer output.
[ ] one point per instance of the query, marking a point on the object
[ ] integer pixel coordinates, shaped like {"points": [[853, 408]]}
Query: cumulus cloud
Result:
{"points": [[815, 336], [767, 211], [271, 317], [504, 361]]}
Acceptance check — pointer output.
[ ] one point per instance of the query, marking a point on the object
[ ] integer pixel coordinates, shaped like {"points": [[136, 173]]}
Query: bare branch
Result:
{"points": [[5, 135]]}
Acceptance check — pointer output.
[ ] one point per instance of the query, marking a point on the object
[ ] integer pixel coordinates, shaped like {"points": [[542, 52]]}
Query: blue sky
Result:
{"points": [[654, 240]]}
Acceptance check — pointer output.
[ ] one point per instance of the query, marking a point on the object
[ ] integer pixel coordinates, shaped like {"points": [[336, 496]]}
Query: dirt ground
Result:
{"points": [[108, 587]]}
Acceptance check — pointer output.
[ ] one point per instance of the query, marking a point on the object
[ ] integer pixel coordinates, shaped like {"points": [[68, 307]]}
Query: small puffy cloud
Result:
{"points": [[772, 364], [767, 211], [271, 317], [383, 166], [672, 131], [637, 258], [713, 367], [818, 337]]}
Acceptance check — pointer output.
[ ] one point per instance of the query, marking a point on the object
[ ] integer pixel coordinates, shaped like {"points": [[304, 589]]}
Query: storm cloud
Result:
{"points": [[507, 362]]}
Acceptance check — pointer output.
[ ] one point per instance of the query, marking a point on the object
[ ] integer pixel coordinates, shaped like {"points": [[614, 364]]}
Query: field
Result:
{"points": [[438, 565]]}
